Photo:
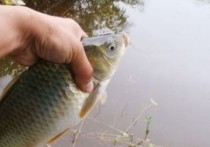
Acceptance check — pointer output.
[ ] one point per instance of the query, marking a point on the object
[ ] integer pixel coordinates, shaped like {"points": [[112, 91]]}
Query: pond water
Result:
{"points": [[168, 60]]}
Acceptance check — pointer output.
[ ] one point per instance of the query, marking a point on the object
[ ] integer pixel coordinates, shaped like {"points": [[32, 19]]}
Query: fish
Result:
{"points": [[43, 102]]}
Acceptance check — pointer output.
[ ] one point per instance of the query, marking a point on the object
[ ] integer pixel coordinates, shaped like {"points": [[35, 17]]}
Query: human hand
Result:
{"points": [[54, 39]]}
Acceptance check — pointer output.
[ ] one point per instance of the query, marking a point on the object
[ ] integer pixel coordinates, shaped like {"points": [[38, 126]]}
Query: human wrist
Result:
{"points": [[8, 31], [14, 22]]}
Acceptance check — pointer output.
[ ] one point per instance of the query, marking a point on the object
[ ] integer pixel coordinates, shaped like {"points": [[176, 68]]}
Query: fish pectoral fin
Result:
{"points": [[57, 137], [93, 98]]}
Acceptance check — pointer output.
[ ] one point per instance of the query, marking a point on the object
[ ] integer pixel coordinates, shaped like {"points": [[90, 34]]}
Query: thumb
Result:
{"points": [[82, 69]]}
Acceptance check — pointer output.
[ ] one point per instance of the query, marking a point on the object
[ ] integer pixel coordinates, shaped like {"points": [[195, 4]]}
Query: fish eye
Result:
{"points": [[111, 47]]}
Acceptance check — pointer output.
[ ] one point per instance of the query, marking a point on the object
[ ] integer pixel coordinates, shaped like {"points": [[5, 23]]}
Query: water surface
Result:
{"points": [[168, 60]]}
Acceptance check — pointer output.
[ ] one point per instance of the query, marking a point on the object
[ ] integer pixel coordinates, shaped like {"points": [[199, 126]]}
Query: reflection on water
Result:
{"points": [[92, 15], [8, 67], [174, 69], [206, 1], [95, 17]]}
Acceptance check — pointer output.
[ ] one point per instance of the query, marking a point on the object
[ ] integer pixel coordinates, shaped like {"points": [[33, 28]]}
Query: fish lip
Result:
{"points": [[126, 39], [86, 40]]}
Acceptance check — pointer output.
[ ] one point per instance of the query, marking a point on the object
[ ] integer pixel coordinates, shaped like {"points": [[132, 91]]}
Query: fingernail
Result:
{"points": [[89, 87]]}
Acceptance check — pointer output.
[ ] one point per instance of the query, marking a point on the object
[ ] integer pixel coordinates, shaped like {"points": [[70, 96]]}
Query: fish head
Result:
{"points": [[105, 52]]}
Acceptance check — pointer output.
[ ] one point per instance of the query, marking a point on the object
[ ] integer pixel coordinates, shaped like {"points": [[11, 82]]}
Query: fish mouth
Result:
{"points": [[126, 39]]}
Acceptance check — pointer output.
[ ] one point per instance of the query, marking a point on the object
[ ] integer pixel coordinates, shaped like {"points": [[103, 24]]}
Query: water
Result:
{"points": [[168, 61]]}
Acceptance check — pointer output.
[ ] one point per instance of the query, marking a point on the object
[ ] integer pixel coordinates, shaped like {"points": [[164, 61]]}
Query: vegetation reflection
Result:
{"points": [[95, 17], [9, 67], [92, 15]]}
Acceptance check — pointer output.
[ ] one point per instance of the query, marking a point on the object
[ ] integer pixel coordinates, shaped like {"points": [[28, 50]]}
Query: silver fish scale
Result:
{"points": [[47, 99]]}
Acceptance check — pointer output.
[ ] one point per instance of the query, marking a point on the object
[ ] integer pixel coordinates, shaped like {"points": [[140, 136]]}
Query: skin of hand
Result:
{"points": [[28, 35]]}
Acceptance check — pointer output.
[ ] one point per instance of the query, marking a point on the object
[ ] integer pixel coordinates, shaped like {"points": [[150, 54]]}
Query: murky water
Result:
{"points": [[168, 61]]}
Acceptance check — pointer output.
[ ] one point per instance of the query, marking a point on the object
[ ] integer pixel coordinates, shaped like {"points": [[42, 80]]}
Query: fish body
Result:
{"points": [[44, 101]]}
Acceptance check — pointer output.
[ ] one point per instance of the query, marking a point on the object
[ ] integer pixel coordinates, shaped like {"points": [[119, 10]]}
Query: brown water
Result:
{"points": [[168, 61]]}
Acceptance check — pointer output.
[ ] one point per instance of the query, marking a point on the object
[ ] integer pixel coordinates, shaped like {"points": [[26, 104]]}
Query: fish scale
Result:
{"points": [[44, 101], [40, 108]]}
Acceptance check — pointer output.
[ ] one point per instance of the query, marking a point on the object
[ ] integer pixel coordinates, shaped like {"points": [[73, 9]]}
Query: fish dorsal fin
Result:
{"points": [[93, 98], [57, 137], [9, 85]]}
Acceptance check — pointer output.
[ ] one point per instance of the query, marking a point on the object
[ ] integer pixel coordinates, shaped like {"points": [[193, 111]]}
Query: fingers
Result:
{"points": [[84, 34], [82, 70], [80, 64]]}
